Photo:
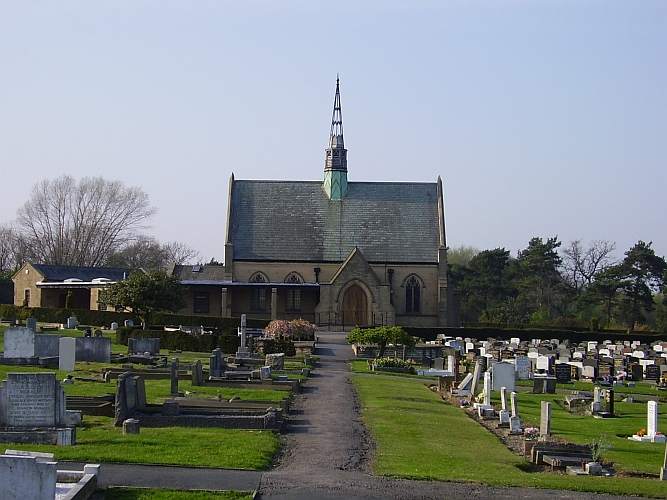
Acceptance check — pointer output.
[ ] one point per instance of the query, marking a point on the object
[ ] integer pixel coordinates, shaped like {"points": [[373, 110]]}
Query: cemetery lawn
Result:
{"points": [[154, 494], [418, 436], [639, 388], [627, 456], [157, 391], [98, 441]]}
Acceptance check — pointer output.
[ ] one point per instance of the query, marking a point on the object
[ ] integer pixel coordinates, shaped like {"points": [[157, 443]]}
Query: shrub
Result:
{"points": [[381, 335], [297, 329], [279, 344], [392, 363]]}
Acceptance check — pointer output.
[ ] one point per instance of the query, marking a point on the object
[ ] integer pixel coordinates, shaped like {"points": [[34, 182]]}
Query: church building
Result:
{"points": [[332, 251]]}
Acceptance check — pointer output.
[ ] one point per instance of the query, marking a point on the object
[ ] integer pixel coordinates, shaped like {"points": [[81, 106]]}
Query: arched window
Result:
{"points": [[258, 293], [412, 295], [293, 293]]}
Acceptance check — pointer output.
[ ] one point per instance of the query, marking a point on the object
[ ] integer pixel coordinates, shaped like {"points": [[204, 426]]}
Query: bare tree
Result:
{"points": [[7, 249], [81, 223], [147, 253], [179, 253], [580, 264]]}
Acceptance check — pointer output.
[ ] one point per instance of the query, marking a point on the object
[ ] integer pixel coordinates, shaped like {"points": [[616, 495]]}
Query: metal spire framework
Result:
{"points": [[335, 164]]}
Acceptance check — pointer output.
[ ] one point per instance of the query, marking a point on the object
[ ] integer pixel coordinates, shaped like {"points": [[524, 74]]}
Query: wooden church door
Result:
{"points": [[355, 306]]}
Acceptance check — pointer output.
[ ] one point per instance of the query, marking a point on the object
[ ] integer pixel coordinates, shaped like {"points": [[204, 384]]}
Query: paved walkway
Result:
{"points": [[327, 453]]}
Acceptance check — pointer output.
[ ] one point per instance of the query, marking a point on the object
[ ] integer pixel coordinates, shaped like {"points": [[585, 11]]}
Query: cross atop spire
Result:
{"points": [[336, 135]]}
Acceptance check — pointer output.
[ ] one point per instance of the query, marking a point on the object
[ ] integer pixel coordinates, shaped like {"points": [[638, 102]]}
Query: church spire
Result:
{"points": [[335, 163]]}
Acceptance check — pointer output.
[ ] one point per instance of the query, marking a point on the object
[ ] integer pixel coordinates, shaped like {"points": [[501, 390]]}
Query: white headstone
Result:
{"points": [[652, 418], [66, 353], [513, 404], [487, 388], [114, 326], [543, 363]]}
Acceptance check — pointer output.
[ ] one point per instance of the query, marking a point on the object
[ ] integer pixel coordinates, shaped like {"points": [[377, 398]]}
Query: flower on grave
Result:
{"points": [[531, 432], [641, 432]]}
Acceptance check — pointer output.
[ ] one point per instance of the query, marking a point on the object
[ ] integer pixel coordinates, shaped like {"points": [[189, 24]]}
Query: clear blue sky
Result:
{"points": [[542, 117]]}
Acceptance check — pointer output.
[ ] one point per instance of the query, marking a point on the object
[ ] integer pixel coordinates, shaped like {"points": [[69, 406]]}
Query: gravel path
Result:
{"points": [[327, 452]]}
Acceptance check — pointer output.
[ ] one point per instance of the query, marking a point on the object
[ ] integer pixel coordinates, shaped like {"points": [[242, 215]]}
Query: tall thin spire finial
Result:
{"points": [[335, 164]]}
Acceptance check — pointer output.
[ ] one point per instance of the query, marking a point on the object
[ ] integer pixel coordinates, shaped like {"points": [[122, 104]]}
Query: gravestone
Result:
{"points": [[27, 478], [487, 389], [128, 323], [72, 323], [46, 346], [174, 376], [513, 404], [465, 384], [652, 418], [19, 343], [663, 470], [635, 372], [610, 402], [544, 363], [503, 376], [515, 420], [596, 405], [143, 345], [265, 373], [522, 364], [652, 372], [130, 397], [475, 378], [242, 351], [131, 426], [93, 349], [217, 364], [66, 353], [276, 361], [544, 385], [545, 418], [32, 410], [114, 326], [563, 373], [504, 414], [197, 374], [31, 323]]}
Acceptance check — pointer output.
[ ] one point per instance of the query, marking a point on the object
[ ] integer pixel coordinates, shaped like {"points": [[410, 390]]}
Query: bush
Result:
{"points": [[392, 363], [297, 329], [279, 344]]}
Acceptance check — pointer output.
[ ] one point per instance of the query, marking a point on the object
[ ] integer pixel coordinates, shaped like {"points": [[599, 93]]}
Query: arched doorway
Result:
{"points": [[355, 306]]}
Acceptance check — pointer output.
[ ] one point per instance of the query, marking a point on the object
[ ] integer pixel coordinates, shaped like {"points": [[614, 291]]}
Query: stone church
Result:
{"points": [[333, 251]]}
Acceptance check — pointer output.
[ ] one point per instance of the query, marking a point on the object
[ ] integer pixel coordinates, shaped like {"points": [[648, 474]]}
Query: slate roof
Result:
{"points": [[61, 273], [292, 220], [207, 272]]}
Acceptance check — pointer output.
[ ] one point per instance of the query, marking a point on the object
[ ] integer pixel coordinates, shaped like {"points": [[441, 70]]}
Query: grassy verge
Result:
{"points": [[99, 441], [155, 494], [420, 437]]}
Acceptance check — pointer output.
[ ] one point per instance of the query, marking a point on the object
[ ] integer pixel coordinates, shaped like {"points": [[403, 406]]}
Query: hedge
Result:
{"points": [[53, 315], [105, 318], [179, 341], [531, 333]]}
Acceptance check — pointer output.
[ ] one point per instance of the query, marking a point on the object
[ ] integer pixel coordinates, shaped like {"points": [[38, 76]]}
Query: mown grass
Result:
{"points": [[583, 429], [579, 385], [99, 441], [157, 391], [418, 436], [156, 494]]}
